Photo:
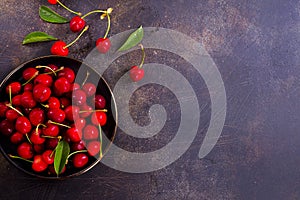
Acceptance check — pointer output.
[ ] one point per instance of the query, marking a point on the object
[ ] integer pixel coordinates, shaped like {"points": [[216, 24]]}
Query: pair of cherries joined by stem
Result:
{"points": [[78, 24]]}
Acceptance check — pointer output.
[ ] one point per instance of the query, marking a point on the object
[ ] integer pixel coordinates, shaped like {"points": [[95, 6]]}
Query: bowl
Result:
{"points": [[108, 130]]}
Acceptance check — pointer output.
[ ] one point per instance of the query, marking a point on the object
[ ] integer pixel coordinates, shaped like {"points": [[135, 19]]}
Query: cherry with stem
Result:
{"points": [[137, 72], [61, 48]]}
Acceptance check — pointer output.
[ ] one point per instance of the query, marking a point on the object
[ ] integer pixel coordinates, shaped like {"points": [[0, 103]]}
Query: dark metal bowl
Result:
{"points": [[109, 129]]}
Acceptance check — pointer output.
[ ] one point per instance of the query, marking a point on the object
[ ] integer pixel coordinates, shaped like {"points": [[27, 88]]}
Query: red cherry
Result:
{"points": [[53, 102], [103, 45], [50, 130], [90, 132], [93, 148], [85, 107], [89, 89], [80, 160], [16, 100], [37, 116], [78, 97], [41, 93], [6, 127], [79, 123], [12, 115], [27, 100], [51, 143], [61, 86], [48, 157], [68, 73], [38, 148], [29, 73], [28, 87], [100, 101], [136, 74], [17, 138], [78, 146], [25, 150], [3, 109], [75, 86], [99, 118], [23, 125], [56, 115], [36, 138], [72, 112], [59, 48], [53, 2], [74, 134], [15, 88], [77, 24], [39, 165], [44, 79]]}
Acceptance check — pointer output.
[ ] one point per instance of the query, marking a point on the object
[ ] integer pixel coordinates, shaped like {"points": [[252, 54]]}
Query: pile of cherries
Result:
{"points": [[45, 107]]}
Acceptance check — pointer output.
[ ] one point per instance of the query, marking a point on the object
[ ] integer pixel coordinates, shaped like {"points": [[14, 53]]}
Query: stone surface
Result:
{"points": [[255, 46]]}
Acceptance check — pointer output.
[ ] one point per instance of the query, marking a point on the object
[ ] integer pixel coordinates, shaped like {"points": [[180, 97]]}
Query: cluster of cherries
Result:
{"points": [[47, 108], [78, 24]]}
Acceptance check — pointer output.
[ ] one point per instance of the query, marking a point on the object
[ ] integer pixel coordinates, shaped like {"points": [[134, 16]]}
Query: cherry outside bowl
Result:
{"points": [[109, 129]]}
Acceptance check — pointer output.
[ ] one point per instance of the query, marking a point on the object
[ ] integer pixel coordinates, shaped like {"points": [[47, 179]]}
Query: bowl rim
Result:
{"points": [[115, 115]]}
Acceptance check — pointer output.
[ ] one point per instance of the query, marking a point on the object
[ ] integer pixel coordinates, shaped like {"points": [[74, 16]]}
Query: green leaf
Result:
{"points": [[134, 38], [62, 151], [37, 37], [48, 15]]}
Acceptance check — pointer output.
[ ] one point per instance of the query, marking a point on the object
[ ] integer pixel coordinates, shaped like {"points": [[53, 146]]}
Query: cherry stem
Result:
{"points": [[9, 91], [27, 137], [39, 67], [36, 73], [60, 69], [17, 157], [144, 55], [84, 111], [52, 152], [71, 154], [45, 106], [11, 107], [108, 26], [105, 13], [100, 131], [68, 9], [77, 38], [86, 78], [92, 12], [59, 124], [37, 127], [52, 137]]}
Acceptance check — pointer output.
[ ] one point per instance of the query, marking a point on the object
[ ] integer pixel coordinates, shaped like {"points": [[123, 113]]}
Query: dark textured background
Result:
{"points": [[255, 45]]}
